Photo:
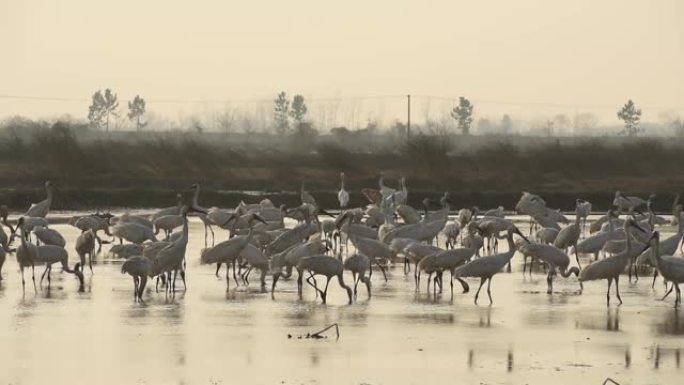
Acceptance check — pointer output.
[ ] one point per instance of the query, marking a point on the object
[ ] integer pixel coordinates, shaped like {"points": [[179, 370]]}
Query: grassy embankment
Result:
{"points": [[93, 170]]}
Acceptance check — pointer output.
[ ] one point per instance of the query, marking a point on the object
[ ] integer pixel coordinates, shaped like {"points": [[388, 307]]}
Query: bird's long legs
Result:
{"points": [[234, 273], [33, 276], [678, 300], [356, 282], [228, 278], [382, 269], [549, 281], [482, 281], [135, 287], [617, 289], [610, 282], [668, 292], [141, 287], [182, 274], [489, 293], [324, 293]]}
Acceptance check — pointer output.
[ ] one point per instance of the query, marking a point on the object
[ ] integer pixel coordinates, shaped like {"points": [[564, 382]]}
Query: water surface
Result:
{"points": [[208, 336]]}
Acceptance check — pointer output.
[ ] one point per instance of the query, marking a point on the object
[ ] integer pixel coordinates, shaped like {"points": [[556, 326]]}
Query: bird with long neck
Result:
{"points": [[51, 254], [384, 190], [569, 235], [667, 246], [486, 267], [343, 195], [670, 267], [171, 259], [42, 208], [203, 217], [229, 250], [557, 260], [610, 268], [27, 254]]}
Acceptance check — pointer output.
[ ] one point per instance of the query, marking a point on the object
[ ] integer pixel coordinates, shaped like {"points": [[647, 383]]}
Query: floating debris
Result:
{"points": [[319, 335]]}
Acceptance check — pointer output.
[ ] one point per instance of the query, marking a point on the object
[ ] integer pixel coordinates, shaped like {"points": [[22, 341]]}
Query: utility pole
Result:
{"points": [[408, 118]]}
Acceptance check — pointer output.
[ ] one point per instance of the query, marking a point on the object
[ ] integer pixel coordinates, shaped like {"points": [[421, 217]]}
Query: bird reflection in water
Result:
{"points": [[486, 317], [613, 320], [628, 358], [509, 359], [657, 353]]}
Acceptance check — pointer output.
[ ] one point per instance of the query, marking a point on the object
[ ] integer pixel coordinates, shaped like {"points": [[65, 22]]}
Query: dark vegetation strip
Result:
{"points": [[146, 170]]}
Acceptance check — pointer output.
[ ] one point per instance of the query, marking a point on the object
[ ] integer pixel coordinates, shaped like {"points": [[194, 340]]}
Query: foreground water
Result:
{"points": [[208, 336]]}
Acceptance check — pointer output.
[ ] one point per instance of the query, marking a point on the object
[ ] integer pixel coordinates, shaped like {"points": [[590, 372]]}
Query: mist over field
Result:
{"points": [[341, 192]]}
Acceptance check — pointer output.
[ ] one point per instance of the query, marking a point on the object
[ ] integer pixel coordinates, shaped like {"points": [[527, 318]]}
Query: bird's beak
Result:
{"points": [[260, 218], [638, 227], [517, 231], [326, 213], [232, 216]]}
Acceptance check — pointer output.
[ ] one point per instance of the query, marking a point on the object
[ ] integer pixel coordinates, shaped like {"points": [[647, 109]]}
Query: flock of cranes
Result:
{"points": [[385, 232]]}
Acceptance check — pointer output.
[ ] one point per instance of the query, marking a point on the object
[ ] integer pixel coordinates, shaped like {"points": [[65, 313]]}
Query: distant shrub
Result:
{"points": [[429, 151]]}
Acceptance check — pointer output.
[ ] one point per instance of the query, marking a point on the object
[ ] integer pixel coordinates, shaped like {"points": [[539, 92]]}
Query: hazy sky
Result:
{"points": [[588, 54]]}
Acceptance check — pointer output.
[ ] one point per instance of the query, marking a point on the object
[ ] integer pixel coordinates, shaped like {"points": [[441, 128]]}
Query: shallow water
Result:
{"points": [[208, 336]]}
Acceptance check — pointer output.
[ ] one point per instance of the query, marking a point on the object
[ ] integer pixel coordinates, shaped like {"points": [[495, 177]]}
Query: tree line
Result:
{"points": [[290, 116]]}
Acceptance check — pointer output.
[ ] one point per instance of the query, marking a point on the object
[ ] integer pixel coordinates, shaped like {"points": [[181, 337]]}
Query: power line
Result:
{"points": [[541, 104], [349, 98], [200, 101]]}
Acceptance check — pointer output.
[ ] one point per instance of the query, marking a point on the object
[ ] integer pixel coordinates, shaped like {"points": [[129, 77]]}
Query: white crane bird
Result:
{"points": [[611, 267], [42, 208], [139, 268], [486, 267], [328, 267], [671, 268], [342, 195]]}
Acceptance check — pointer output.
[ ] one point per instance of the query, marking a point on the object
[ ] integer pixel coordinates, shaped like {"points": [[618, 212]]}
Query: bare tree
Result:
{"points": [[584, 123], [225, 121], [631, 116], [463, 114]]}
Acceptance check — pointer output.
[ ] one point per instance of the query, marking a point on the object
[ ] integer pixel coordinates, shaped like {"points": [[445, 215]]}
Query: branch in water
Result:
{"points": [[319, 334]]}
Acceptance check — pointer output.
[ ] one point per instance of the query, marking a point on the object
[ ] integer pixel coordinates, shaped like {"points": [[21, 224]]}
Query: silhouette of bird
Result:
{"points": [[328, 267], [486, 267], [342, 195], [671, 268], [41, 209], [611, 267], [358, 264], [139, 268]]}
